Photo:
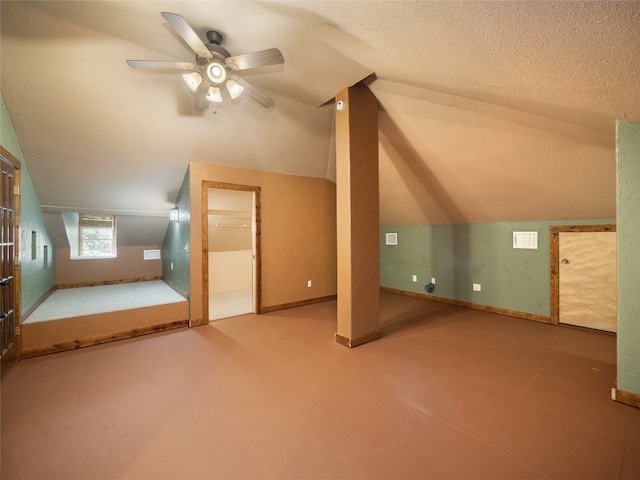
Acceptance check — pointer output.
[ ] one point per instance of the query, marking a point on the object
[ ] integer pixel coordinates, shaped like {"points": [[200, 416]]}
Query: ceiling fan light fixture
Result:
{"points": [[216, 72], [235, 89], [214, 95], [193, 80]]}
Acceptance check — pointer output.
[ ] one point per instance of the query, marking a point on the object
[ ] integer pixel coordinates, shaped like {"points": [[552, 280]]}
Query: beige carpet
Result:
{"points": [[230, 304], [76, 302]]}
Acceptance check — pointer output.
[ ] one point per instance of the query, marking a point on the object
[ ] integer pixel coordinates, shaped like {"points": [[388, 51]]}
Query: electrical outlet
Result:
{"points": [[171, 265], [477, 287], [415, 278], [433, 280], [309, 283]]}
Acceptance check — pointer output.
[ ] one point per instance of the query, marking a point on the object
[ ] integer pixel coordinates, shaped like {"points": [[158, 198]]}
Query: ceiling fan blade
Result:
{"points": [[254, 93], [202, 91], [262, 58], [185, 31], [161, 65]]}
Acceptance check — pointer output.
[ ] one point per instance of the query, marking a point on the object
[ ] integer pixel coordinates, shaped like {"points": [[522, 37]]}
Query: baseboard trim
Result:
{"points": [[628, 398], [108, 282], [198, 322], [354, 342], [474, 306], [179, 290], [87, 342], [285, 306], [37, 303]]}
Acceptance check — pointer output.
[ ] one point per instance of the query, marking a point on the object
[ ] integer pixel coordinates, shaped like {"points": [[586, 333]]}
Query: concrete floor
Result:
{"points": [[446, 393]]}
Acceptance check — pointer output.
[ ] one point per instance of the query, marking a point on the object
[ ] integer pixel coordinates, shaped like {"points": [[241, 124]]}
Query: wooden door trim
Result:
{"points": [[555, 260], [204, 202]]}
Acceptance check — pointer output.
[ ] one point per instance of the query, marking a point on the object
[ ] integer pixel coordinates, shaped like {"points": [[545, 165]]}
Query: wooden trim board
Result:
{"points": [[38, 302], [97, 340], [204, 205], [354, 342], [108, 282], [70, 333], [474, 306], [175, 287], [625, 397], [301, 303]]}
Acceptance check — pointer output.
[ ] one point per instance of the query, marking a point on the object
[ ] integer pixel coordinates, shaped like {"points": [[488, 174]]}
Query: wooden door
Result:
{"points": [[8, 283], [588, 280]]}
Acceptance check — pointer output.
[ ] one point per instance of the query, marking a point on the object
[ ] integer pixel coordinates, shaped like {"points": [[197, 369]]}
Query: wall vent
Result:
{"points": [[151, 254], [525, 240], [391, 239]]}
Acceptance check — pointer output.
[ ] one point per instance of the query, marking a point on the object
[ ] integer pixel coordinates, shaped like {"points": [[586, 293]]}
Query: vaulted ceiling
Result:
{"points": [[489, 111]]}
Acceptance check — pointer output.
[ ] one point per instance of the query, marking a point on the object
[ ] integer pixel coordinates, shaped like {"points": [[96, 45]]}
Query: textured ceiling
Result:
{"points": [[489, 111]]}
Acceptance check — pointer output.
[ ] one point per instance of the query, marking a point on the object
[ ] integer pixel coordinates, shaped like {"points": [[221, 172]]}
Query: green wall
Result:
{"points": [[38, 277], [460, 255], [176, 238], [628, 227]]}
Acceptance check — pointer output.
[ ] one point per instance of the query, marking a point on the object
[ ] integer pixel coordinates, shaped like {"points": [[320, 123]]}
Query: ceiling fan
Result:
{"points": [[212, 76]]}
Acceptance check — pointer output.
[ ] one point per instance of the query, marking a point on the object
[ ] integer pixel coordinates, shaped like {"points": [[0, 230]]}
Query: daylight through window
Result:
{"points": [[97, 235]]}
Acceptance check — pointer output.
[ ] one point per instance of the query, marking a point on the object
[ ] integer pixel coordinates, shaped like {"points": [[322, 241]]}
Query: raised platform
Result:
{"points": [[78, 317]]}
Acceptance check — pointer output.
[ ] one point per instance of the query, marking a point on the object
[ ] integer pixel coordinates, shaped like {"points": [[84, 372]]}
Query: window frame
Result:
{"points": [[87, 218]]}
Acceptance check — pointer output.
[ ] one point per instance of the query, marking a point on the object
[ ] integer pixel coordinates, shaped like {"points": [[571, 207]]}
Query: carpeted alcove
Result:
{"points": [[75, 317]]}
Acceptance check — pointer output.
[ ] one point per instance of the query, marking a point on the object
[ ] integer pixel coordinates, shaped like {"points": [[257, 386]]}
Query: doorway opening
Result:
{"points": [[231, 262]]}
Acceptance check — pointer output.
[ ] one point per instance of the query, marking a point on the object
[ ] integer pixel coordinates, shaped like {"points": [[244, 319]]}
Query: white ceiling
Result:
{"points": [[489, 111]]}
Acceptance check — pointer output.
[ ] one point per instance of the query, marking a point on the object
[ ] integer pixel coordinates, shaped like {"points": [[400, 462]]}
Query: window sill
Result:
{"points": [[101, 257]]}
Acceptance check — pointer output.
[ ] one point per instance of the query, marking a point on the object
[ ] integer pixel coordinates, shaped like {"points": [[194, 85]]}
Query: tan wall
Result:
{"points": [[230, 239], [230, 270], [298, 234], [129, 265]]}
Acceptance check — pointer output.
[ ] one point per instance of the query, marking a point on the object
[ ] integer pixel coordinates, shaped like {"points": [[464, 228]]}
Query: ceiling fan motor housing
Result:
{"points": [[214, 37], [216, 69], [215, 40]]}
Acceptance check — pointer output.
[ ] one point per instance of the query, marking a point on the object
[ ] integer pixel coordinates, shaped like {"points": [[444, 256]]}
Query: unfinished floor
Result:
{"points": [[446, 393]]}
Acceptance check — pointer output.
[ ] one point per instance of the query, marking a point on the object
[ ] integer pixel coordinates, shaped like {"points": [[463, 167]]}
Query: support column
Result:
{"points": [[358, 219]]}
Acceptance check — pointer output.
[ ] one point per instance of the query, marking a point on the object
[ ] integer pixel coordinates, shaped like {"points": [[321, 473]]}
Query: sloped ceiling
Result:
{"points": [[489, 111]]}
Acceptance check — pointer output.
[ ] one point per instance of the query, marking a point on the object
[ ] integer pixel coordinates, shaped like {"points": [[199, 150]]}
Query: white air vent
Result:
{"points": [[151, 254], [525, 240], [391, 238]]}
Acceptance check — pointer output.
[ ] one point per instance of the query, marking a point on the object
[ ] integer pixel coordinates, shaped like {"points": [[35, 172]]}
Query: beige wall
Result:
{"points": [[230, 239], [298, 234], [129, 265], [230, 270]]}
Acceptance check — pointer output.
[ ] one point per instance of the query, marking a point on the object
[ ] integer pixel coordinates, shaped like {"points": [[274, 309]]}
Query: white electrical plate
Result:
{"points": [[391, 238]]}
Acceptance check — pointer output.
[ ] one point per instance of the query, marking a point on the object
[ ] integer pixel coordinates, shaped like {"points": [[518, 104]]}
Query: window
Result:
{"points": [[97, 235]]}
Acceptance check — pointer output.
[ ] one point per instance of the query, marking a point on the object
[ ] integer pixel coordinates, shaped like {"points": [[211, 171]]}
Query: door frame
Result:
{"points": [[14, 354], [257, 261], [555, 260]]}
